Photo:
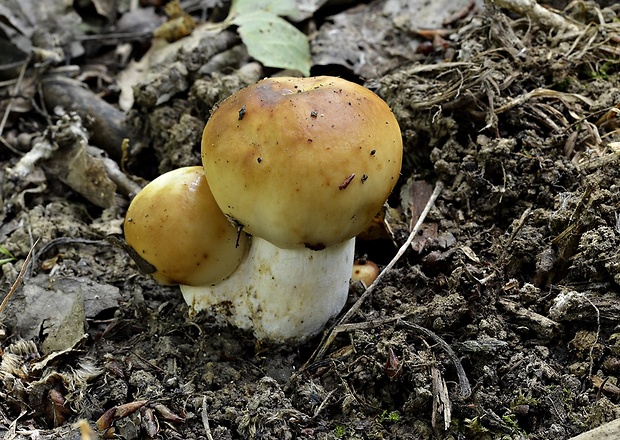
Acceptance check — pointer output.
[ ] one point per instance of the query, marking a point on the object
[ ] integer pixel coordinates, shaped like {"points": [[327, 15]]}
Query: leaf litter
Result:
{"points": [[512, 287]]}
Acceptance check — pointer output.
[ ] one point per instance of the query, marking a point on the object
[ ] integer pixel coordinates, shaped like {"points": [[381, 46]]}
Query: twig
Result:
{"points": [[598, 333], [18, 280], [65, 240], [124, 184], [539, 14], [9, 106], [400, 320], [326, 341], [460, 371], [323, 403], [441, 400], [205, 419], [15, 151]]}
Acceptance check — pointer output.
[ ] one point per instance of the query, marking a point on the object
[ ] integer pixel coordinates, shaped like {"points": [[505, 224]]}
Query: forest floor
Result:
{"points": [[501, 320]]}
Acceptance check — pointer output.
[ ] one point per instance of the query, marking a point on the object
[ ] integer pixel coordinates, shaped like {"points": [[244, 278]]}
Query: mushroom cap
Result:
{"points": [[365, 271], [175, 225], [302, 161]]}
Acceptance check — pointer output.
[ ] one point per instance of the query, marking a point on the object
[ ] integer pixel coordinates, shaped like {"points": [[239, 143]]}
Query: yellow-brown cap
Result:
{"points": [[175, 225], [302, 161], [365, 271]]}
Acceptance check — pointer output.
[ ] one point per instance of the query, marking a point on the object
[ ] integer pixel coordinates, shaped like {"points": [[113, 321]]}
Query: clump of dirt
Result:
{"points": [[500, 321]]}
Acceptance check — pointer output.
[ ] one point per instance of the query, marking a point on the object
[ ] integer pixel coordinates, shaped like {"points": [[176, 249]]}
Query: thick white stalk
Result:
{"points": [[284, 295]]}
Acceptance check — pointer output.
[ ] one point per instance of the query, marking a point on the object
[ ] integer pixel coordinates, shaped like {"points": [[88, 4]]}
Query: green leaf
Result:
{"points": [[5, 251], [283, 8], [273, 41]]}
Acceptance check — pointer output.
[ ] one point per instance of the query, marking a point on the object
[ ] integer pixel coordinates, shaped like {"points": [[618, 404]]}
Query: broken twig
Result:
{"points": [[18, 280], [205, 419], [460, 371]]}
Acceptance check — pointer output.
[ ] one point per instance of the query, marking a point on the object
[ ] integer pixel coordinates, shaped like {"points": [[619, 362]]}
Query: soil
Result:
{"points": [[499, 321]]}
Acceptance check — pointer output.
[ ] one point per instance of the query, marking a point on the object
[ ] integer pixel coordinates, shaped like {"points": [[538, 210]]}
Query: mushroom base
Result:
{"points": [[284, 295]]}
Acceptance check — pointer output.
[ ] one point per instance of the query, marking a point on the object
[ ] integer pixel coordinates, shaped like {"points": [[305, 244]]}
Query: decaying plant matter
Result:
{"points": [[497, 317]]}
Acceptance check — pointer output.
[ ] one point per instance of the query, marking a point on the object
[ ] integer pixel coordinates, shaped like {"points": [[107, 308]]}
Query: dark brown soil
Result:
{"points": [[501, 321]]}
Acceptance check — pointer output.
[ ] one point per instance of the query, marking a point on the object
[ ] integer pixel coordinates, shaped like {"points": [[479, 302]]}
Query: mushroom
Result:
{"points": [[176, 232], [303, 165], [365, 271]]}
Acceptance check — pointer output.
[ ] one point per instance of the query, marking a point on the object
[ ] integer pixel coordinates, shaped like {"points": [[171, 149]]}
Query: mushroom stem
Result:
{"points": [[284, 295]]}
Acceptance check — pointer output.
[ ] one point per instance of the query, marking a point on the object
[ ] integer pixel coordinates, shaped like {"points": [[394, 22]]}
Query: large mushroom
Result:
{"points": [[176, 232], [303, 165]]}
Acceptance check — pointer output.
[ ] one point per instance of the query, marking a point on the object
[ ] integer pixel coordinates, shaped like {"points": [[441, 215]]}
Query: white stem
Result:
{"points": [[284, 295]]}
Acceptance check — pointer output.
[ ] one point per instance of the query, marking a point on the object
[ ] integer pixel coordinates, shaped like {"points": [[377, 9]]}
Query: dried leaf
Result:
{"points": [[118, 412], [167, 414], [393, 365]]}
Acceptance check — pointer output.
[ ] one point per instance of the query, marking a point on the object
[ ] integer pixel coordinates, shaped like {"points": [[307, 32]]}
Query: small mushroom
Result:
{"points": [[178, 233], [304, 170], [365, 271]]}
